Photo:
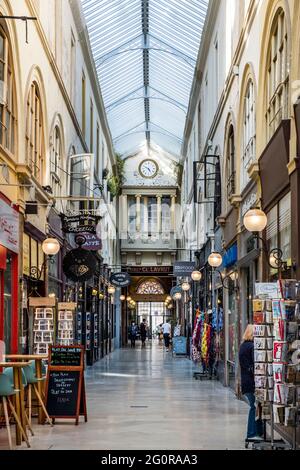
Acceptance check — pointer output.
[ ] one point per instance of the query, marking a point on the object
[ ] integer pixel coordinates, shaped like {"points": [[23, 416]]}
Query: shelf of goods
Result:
{"points": [[276, 360], [43, 329]]}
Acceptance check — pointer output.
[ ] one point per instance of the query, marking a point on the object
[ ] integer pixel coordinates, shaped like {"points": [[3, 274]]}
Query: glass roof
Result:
{"points": [[145, 53]]}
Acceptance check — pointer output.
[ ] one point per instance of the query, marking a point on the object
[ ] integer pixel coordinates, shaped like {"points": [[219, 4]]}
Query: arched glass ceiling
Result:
{"points": [[145, 53]]}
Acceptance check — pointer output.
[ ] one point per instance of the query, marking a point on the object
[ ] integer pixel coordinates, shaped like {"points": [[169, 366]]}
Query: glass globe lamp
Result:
{"points": [[255, 220], [196, 276], [111, 290], [185, 286], [50, 246], [215, 260]]}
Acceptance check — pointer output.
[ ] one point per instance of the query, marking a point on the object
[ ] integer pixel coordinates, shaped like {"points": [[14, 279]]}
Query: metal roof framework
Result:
{"points": [[145, 53]]}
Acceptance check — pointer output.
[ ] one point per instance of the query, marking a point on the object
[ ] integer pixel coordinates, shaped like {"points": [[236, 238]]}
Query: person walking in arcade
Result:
{"points": [[143, 332]]}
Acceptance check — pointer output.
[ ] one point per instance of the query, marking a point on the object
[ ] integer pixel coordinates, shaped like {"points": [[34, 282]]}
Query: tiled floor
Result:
{"points": [[145, 399]]}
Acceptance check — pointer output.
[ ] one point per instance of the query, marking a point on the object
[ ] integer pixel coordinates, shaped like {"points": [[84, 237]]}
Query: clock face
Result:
{"points": [[148, 168]]}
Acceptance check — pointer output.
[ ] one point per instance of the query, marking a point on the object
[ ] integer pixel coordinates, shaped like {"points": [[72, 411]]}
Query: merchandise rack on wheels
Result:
{"points": [[277, 372]]}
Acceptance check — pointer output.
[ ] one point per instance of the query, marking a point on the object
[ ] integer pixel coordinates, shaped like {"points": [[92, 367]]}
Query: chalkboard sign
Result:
{"points": [[65, 391], [66, 356]]}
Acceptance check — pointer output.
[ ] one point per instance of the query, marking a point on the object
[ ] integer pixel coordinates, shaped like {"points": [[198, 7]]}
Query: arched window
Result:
{"points": [[35, 133], [277, 75], [7, 95], [150, 287], [56, 162], [230, 163], [249, 133]]}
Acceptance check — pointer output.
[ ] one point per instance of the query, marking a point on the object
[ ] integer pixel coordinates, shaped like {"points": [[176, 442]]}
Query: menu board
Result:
{"points": [[66, 356], [65, 390]]}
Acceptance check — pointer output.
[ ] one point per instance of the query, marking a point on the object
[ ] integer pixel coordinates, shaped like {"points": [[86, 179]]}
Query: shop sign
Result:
{"points": [[183, 268], [268, 290], [120, 279], [249, 202], [149, 269], [9, 227], [175, 290], [79, 265], [80, 223], [230, 257], [92, 242]]}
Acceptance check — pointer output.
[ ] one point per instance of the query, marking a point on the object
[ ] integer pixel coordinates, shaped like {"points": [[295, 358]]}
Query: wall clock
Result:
{"points": [[148, 168]]}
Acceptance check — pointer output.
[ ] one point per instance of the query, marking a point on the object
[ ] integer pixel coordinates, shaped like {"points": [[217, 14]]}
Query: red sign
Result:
{"points": [[149, 269]]}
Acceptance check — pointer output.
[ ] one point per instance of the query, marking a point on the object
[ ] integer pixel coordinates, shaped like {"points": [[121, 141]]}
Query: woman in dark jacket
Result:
{"points": [[246, 358]]}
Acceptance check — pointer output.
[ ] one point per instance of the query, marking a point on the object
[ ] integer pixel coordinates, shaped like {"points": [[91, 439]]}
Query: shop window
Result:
{"points": [[35, 133], [131, 214], [278, 231], [230, 163], [7, 95], [150, 287], [8, 287], [277, 81], [249, 134], [56, 163], [166, 214]]}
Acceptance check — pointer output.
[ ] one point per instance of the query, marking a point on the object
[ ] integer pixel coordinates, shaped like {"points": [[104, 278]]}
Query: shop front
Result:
{"points": [[277, 202], [9, 275]]}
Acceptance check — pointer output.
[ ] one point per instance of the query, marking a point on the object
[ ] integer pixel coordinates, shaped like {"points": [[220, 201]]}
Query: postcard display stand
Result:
{"points": [[66, 323], [44, 310], [276, 338]]}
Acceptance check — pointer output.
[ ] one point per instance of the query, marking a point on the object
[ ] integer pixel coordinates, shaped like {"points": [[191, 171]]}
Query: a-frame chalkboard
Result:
{"points": [[65, 388]]}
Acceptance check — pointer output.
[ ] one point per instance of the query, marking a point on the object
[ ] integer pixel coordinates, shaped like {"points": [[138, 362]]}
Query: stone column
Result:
{"points": [[138, 212], [173, 208], [159, 214]]}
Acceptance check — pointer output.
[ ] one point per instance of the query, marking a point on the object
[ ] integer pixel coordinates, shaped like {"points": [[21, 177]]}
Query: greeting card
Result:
{"points": [[279, 351], [278, 372], [258, 318]]}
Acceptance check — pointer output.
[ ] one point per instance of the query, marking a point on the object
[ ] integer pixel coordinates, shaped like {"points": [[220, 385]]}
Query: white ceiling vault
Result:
{"points": [[145, 53]]}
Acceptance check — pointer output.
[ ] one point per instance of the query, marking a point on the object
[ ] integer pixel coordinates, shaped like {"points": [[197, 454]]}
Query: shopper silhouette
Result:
{"points": [[133, 331], [143, 332]]}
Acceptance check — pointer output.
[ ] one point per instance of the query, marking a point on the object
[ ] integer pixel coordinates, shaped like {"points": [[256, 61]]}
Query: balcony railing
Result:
{"points": [[155, 240]]}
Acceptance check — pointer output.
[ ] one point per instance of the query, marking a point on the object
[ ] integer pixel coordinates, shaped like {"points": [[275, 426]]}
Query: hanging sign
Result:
{"points": [[120, 279], [65, 390], [9, 227], [92, 242], [79, 265], [183, 268], [175, 290], [79, 223]]}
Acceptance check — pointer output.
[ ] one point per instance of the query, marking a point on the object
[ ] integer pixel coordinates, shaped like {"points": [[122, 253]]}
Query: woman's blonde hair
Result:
{"points": [[248, 335]]}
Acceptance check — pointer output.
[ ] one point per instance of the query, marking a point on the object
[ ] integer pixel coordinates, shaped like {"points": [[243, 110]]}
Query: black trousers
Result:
{"points": [[167, 339], [133, 342]]}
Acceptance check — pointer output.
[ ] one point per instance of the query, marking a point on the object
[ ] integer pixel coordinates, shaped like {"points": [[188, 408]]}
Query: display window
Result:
{"points": [[9, 302], [278, 233]]}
